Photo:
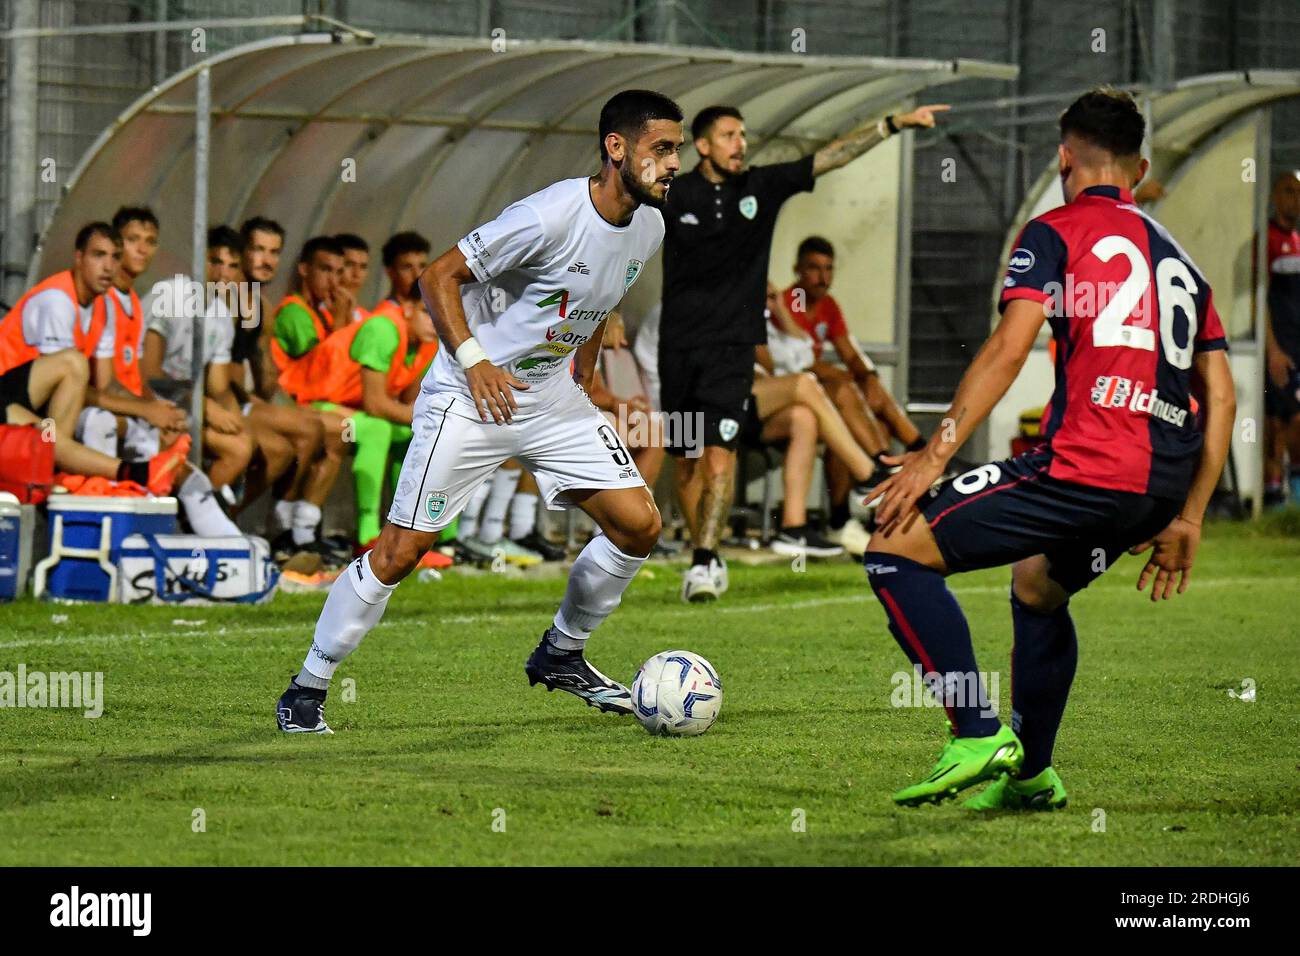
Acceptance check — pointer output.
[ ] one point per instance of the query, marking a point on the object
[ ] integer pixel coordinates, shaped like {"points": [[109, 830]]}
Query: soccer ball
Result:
{"points": [[677, 694]]}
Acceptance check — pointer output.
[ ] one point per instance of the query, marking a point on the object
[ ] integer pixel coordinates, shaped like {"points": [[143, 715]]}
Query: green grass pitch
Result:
{"points": [[445, 738]]}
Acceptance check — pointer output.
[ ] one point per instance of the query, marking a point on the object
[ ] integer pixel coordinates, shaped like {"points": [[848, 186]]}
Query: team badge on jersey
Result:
{"points": [[728, 428], [435, 505], [633, 270], [749, 207], [1112, 391]]}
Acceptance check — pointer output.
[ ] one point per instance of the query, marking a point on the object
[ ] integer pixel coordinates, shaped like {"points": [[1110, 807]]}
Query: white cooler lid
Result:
{"points": [[130, 506]]}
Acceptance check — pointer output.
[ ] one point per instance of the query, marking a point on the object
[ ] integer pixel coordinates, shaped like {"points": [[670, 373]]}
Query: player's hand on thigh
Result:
{"points": [[898, 494], [492, 390], [1173, 552]]}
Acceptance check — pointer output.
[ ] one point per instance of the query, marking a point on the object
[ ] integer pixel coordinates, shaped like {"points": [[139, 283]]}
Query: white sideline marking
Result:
{"points": [[226, 630]]}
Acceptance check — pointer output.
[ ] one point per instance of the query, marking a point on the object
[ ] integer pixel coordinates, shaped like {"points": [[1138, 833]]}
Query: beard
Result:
{"points": [[639, 190]]}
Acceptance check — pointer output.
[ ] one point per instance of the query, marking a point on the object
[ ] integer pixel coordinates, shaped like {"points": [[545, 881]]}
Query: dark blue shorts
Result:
{"points": [[1004, 511]]}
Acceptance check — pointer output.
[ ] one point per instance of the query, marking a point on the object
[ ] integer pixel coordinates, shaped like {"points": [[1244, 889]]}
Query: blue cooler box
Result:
{"points": [[86, 535], [10, 544]]}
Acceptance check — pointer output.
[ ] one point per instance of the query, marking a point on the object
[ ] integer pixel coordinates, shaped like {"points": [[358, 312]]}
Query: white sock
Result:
{"points": [[201, 508], [523, 515], [306, 516], [355, 604], [469, 517], [597, 581], [493, 524], [99, 431], [284, 514]]}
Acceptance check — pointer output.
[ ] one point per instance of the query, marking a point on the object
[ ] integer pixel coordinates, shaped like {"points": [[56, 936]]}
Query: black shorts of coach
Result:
{"points": [[1002, 512], [1283, 401], [713, 383]]}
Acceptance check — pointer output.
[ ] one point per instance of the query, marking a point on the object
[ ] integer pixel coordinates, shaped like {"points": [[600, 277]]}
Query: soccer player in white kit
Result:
{"points": [[518, 303]]}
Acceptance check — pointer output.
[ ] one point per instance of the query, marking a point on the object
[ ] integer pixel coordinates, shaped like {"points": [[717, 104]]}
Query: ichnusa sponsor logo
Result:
{"points": [[1115, 391]]}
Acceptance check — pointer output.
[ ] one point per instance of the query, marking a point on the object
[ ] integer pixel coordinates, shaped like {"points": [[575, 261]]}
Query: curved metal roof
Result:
{"points": [[444, 132], [1182, 119]]}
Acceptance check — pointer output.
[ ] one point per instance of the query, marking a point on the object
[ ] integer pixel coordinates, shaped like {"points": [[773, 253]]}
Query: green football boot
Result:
{"points": [[965, 761], [1044, 791]]}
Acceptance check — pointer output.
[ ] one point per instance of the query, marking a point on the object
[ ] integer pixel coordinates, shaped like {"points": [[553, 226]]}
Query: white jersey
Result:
{"points": [[549, 268], [164, 309], [790, 353], [48, 323]]}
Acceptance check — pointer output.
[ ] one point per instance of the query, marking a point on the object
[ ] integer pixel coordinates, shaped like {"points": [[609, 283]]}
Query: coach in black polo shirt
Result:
{"points": [[719, 220]]}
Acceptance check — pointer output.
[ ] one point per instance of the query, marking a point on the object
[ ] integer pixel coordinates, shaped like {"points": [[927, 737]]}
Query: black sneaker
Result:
{"points": [[569, 671], [535, 541], [301, 710], [340, 546], [282, 547], [807, 541]]}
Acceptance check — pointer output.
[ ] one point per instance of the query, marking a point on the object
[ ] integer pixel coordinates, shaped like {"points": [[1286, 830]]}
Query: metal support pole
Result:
{"points": [[1164, 15], [159, 43], [20, 156], [198, 262], [903, 266], [1011, 164], [1254, 406], [665, 22]]}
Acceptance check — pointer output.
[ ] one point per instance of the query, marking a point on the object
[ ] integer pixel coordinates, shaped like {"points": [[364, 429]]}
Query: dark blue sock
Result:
{"points": [[1043, 660], [929, 626]]}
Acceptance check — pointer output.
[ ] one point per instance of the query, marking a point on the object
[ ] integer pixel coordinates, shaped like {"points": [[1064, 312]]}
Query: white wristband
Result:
{"points": [[882, 130], [470, 353]]}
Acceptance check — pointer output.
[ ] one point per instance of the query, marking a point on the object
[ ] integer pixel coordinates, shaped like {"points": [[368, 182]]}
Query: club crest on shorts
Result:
{"points": [[435, 505], [748, 207], [633, 270], [728, 428]]}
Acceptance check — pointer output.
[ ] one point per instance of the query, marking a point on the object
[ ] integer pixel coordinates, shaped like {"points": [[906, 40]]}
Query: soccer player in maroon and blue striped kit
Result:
{"points": [[1137, 433]]}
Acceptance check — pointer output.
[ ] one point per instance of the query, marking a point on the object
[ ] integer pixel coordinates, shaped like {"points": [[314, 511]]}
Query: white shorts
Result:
{"points": [[97, 429], [568, 446], [141, 440]]}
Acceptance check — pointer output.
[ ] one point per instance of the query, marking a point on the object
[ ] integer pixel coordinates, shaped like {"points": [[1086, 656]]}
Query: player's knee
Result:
{"points": [[638, 531], [1038, 592], [394, 555], [308, 438], [719, 464], [71, 365], [802, 419], [279, 454], [807, 389]]}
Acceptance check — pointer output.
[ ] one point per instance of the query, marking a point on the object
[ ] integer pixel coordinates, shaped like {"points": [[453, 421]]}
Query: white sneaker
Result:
{"points": [[700, 584], [811, 544], [853, 537], [718, 568]]}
